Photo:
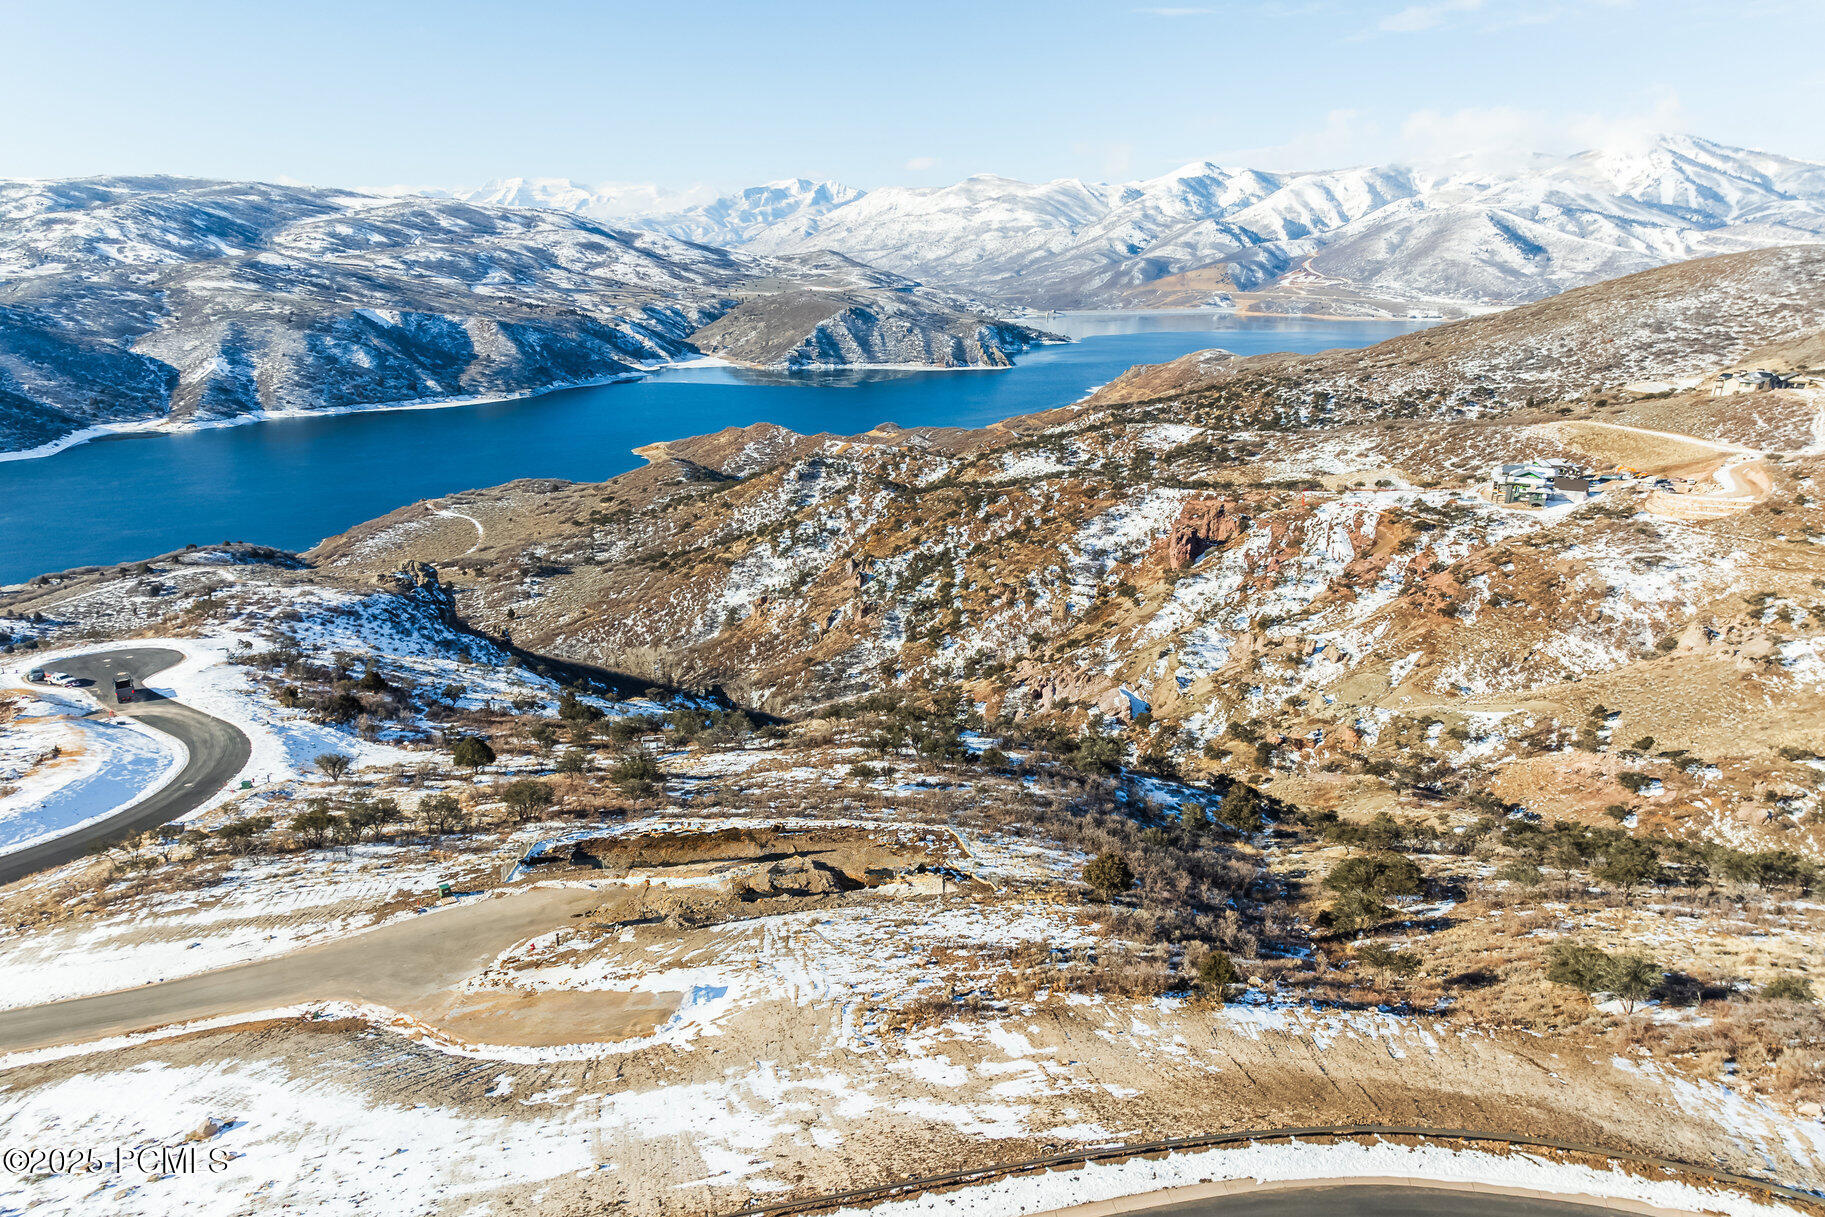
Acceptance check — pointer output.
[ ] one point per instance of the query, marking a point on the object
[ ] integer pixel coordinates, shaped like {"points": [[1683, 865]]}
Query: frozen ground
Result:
{"points": [[789, 1052], [856, 964], [259, 907], [748, 1111], [66, 768], [805, 1045], [377, 1157]]}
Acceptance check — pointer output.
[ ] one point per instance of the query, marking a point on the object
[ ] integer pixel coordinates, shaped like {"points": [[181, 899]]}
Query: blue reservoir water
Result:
{"points": [[291, 482]]}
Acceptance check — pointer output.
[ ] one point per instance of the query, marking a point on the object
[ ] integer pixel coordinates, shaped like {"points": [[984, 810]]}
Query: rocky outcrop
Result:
{"points": [[1122, 705], [792, 330], [1745, 644], [1203, 525], [1037, 688]]}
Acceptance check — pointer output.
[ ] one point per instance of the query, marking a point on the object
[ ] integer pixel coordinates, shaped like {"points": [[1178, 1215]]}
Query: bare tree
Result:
{"points": [[334, 764]]}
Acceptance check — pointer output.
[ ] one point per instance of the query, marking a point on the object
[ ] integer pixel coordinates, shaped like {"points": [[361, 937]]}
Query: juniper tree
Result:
{"points": [[472, 752], [1628, 865], [1788, 988], [1109, 875], [313, 825], [1217, 974], [1387, 961], [1632, 978], [439, 814], [636, 774], [1379, 874], [1356, 911], [527, 797]]}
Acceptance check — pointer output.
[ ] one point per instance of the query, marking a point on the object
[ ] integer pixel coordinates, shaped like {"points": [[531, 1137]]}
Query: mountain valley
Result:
{"points": [[1419, 736], [864, 646]]}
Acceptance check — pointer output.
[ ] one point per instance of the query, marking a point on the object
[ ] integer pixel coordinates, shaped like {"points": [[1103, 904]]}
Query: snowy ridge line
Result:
{"points": [[1118, 1153]]}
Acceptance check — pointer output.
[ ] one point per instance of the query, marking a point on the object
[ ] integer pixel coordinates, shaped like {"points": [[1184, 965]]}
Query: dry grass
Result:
{"points": [[1774, 1047]]}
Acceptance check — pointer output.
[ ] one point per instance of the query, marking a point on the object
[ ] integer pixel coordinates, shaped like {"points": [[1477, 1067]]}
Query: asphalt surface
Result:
{"points": [[405, 965], [218, 750], [1376, 1200]]}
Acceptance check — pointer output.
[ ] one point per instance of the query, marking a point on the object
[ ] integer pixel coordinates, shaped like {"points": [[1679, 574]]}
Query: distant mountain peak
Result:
{"points": [[1461, 229], [804, 185]]}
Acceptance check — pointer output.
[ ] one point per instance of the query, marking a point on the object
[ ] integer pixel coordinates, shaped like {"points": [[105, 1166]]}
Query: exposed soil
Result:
{"points": [[547, 1019]]}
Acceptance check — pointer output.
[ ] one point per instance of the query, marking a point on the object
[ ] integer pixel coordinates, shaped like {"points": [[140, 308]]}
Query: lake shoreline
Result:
{"points": [[160, 426], [323, 472], [166, 427]]}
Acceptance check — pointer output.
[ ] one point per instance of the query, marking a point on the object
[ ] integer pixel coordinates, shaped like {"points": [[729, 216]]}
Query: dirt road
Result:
{"points": [[1744, 478], [408, 966], [1714, 445], [481, 533]]}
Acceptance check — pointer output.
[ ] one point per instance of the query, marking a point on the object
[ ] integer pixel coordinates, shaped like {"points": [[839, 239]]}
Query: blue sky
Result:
{"points": [[695, 93]]}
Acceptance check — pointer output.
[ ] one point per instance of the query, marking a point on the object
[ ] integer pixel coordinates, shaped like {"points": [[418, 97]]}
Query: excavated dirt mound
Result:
{"points": [[549, 1018]]}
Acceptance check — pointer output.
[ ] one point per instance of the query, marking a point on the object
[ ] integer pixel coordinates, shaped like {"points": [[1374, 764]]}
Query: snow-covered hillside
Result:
{"points": [[1455, 232], [133, 301]]}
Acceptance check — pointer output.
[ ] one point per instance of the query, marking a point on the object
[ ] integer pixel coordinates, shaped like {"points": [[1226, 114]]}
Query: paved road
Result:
{"points": [[406, 965], [218, 750], [1371, 1200]]}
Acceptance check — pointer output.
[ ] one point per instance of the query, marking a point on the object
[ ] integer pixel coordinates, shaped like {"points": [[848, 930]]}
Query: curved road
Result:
{"points": [[218, 751], [1382, 1199]]}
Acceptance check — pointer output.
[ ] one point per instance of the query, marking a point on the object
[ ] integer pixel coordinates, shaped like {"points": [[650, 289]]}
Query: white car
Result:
{"points": [[64, 679]]}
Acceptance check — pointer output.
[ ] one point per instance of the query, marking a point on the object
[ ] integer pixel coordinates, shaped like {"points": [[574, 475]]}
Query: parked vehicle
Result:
{"points": [[123, 689], [36, 675]]}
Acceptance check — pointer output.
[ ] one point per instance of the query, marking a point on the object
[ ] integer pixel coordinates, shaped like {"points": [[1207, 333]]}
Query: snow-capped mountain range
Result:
{"points": [[693, 215], [1454, 232]]}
